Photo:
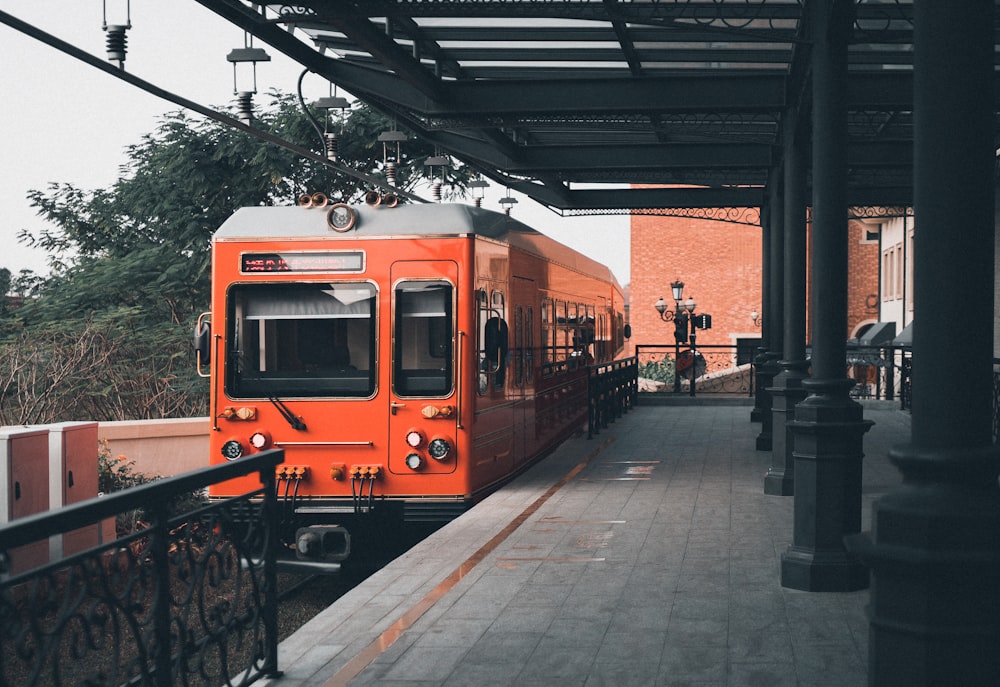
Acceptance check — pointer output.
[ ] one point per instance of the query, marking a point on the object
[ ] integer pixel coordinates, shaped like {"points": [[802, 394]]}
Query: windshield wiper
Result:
{"points": [[289, 416]]}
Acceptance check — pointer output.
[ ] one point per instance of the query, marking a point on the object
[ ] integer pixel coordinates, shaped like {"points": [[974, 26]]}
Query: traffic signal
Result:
{"points": [[703, 321], [681, 327]]}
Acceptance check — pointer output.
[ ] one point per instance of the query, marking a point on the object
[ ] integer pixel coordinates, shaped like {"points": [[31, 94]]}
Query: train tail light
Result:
{"points": [[232, 449], [326, 543], [439, 448]]}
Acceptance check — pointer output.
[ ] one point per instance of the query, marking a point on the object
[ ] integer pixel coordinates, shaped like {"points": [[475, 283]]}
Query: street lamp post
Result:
{"points": [[682, 314], [689, 306], [679, 317]]}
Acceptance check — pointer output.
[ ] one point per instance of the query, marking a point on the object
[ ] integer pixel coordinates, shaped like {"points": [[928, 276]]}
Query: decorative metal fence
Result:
{"points": [[709, 369], [185, 599], [611, 392], [880, 372]]}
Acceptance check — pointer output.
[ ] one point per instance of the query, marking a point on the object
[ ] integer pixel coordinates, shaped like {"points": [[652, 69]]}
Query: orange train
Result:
{"points": [[408, 359]]}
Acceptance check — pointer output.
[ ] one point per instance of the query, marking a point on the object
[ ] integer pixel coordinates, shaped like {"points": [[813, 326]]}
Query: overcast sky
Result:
{"points": [[66, 121]]}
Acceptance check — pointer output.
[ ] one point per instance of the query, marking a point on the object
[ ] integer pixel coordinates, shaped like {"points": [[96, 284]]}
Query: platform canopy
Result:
{"points": [[568, 100]]}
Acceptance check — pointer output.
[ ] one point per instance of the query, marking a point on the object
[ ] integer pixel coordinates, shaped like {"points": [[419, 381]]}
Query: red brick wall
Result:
{"points": [[719, 263], [862, 277]]}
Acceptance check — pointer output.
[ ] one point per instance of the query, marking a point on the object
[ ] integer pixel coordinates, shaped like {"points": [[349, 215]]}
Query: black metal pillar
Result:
{"points": [[767, 360], [765, 276], [787, 390], [828, 426], [934, 548]]}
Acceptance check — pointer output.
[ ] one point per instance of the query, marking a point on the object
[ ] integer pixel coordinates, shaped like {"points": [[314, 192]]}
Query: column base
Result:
{"points": [[934, 553], [767, 368], [778, 483], [785, 394], [822, 571], [828, 430]]}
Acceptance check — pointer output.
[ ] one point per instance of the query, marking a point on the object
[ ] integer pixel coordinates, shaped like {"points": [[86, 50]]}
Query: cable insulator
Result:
{"points": [[244, 106], [117, 44], [390, 173], [436, 191], [331, 146]]}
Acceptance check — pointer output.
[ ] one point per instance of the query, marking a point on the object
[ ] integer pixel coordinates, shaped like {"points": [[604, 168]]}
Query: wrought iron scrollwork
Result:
{"points": [[187, 600]]}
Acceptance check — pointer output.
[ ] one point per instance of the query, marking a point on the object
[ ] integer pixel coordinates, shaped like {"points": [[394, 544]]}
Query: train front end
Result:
{"points": [[338, 339]]}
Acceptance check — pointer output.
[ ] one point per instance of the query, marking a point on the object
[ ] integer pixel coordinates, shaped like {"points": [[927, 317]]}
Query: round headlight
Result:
{"points": [[414, 438], [259, 441], [231, 450], [413, 461], [439, 449]]}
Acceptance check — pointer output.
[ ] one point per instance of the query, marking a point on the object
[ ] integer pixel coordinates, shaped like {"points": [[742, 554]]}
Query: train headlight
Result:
{"points": [[414, 438], [414, 461], [260, 440], [232, 449], [439, 448]]}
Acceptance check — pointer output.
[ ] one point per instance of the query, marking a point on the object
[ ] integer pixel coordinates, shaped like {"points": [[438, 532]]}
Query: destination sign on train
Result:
{"points": [[339, 261]]}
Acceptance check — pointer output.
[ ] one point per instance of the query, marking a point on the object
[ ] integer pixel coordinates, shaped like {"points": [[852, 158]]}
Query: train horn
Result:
{"points": [[373, 198], [319, 200], [305, 200], [390, 200]]}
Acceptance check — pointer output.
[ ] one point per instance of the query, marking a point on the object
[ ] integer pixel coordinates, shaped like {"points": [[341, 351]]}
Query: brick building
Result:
{"points": [[720, 265]]}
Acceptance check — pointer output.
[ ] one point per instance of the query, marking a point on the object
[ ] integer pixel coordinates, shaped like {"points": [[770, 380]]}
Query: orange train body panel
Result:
{"points": [[420, 356]]}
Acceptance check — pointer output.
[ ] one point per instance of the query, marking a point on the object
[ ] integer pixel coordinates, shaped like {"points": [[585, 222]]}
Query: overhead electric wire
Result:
{"points": [[153, 89]]}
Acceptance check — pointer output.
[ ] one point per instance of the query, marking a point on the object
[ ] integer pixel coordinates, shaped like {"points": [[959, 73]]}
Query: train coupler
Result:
{"points": [[322, 543]]}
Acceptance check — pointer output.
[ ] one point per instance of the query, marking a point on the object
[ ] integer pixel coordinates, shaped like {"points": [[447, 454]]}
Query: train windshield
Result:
{"points": [[423, 339], [301, 340]]}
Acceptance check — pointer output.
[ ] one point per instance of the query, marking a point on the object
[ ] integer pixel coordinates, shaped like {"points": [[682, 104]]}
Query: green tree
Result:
{"points": [[131, 263]]}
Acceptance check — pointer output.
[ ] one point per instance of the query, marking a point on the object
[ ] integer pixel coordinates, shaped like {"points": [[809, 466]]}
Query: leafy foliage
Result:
{"points": [[107, 335], [658, 370]]}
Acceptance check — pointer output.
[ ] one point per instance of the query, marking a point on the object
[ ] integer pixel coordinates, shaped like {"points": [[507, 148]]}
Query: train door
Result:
{"points": [[423, 369]]}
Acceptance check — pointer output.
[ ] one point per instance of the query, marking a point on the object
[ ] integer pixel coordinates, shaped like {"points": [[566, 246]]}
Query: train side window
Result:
{"points": [[561, 343], [422, 355], [519, 345], [548, 356], [529, 346]]}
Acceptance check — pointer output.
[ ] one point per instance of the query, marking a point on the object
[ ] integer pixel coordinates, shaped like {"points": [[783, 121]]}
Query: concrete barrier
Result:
{"points": [[159, 447]]}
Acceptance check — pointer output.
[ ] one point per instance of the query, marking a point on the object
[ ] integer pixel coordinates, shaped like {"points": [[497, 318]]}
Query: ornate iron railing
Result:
{"points": [[713, 369], [189, 599], [611, 392], [880, 372]]}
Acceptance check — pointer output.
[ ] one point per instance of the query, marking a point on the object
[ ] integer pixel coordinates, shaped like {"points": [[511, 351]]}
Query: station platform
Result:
{"points": [[648, 555]]}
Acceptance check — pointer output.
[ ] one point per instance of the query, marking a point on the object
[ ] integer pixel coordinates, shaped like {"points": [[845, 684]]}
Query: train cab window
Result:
{"points": [[301, 340], [422, 355]]}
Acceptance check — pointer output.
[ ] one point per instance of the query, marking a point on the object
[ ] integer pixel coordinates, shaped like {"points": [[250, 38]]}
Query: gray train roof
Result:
{"points": [[431, 220]]}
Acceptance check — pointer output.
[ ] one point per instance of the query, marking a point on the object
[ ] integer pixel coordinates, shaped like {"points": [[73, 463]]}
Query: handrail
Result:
{"points": [[34, 527], [611, 391], [186, 597]]}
